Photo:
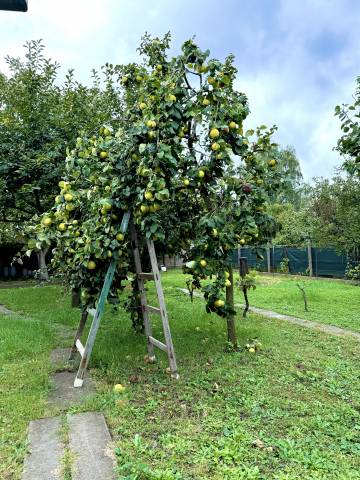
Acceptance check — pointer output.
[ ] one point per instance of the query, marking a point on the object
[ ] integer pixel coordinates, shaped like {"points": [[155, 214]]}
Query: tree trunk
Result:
{"points": [[231, 329], [44, 274], [75, 297], [302, 289], [246, 301]]}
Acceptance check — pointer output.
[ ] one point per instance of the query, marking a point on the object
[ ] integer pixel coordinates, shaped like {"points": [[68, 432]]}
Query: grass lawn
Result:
{"points": [[290, 411], [332, 302]]}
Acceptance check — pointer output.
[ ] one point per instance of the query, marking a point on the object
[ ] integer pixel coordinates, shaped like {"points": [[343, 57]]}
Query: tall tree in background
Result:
{"points": [[336, 213], [38, 117], [290, 190]]}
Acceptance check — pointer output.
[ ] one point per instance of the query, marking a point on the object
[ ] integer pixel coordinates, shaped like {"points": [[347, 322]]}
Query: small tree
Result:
{"points": [[246, 283]]}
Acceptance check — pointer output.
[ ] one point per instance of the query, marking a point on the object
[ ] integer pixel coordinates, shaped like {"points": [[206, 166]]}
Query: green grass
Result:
{"points": [[332, 302], [299, 395], [24, 369]]}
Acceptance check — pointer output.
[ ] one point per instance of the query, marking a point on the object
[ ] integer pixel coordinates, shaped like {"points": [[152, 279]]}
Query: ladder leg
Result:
{"points": [[79, 331], [164, 316], [143, 299], [95, 325]]}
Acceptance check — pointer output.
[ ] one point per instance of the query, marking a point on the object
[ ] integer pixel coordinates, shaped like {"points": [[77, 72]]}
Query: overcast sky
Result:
{"points": [[297, 59]]}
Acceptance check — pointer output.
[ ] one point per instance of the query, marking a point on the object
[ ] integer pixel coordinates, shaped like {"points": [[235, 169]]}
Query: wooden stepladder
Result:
{"points": [[85, 351], [146, 309]]}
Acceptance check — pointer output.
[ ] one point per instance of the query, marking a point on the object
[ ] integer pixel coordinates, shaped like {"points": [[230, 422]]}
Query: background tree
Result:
{"points": [[296, 223], [334, 204], [290, 188], [38, 117]]}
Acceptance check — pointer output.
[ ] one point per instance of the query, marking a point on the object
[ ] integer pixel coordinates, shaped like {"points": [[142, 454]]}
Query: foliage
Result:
{"points": [[352, 272], [11, 233], [328, 215], [296, 223], [38, 117], [284, 265], [171, 164], [291, 186], [249, 281], [335, 212], [349, 143]]}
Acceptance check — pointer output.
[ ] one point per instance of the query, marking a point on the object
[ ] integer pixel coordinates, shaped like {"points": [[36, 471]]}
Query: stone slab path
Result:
{"points": [[87, 442], [321, 327], [90, 442], [46, 451], [64, 394]]}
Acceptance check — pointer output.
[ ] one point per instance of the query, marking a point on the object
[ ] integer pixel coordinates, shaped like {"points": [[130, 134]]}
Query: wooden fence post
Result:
{"points": [[268, 259], [311, 272]]}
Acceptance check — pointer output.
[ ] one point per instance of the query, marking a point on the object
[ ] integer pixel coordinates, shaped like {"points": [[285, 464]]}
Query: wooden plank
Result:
{"points": [[151, 309], [164, 316], [158, 344]]}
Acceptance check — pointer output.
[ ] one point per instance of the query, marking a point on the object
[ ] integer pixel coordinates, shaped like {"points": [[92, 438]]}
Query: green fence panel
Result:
{"points": [[327, 263], [252, 260]]}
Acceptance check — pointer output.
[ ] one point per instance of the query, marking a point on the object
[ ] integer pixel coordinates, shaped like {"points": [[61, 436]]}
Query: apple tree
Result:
{"points": [[181, 162]]}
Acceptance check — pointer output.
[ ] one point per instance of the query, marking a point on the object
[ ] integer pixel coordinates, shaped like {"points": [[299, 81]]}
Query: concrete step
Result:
{"points": [[46, 451], [90, 442], [64, 394]]}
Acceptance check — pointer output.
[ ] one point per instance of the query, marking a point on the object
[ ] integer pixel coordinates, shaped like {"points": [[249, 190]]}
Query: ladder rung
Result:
{"points": [[146, 276], [158, 344], [92, 311], [80, 347], [151, 309]]}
